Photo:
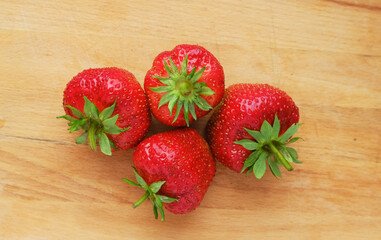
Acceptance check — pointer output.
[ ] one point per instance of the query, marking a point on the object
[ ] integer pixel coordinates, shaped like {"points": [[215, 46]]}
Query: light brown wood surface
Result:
{"points": [[326, 54]]}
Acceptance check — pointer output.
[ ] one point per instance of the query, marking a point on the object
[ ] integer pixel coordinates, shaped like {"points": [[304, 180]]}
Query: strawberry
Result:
{"points": [[189, 78], [109, 105], [175, 169], [240, 134]]}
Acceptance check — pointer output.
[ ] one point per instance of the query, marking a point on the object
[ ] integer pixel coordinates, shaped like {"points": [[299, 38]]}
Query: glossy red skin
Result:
{"points": [[183, 159], [246, 106], [102, 86], [198, 57]]}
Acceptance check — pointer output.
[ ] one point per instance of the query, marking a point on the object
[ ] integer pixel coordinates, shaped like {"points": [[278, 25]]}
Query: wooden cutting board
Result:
{"points": [[326, 54]]}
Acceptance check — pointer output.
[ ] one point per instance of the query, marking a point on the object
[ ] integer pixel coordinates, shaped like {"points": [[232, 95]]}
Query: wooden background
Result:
{"points": [[326, 54]]}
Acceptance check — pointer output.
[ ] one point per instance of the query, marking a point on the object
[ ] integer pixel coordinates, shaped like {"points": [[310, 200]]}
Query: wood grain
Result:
{"points": [[326, 54]]}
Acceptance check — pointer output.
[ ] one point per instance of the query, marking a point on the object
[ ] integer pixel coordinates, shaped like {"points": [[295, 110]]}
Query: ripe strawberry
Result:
{"points": [[194, 83], [175, 168], [240, 135], [109, 105]]}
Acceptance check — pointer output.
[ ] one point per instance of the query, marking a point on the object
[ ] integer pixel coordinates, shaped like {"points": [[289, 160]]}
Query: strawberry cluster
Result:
{"points": [[249, 130]]}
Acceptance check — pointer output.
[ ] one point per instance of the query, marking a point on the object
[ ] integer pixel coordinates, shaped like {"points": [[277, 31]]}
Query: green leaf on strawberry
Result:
{"points": [[184, 89], [95, 125], [151, 193], [268, 145]]}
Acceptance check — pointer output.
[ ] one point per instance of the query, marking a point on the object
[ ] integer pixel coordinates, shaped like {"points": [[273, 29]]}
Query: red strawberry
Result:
{"points": [[175, 168], [240, 135], [109, 105], [188, 77]]}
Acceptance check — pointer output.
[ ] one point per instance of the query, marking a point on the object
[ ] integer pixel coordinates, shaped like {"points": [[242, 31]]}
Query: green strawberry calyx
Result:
{"points": [[184, 89], [268, 145], [151, 193], [95, 125]]}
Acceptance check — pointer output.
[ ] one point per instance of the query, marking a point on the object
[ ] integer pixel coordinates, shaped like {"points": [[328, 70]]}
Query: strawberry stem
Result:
{"points": [[91, 137], [184, 87], [281, 158], [268, 145], [141, 200]]}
